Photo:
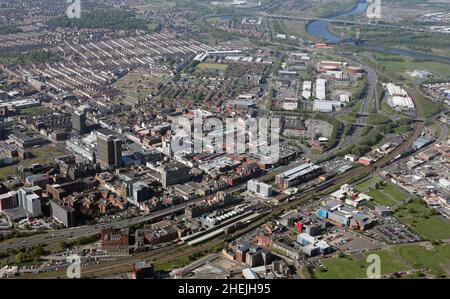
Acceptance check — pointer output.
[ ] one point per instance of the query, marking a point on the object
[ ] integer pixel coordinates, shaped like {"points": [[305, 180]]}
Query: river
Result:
{"points": [[319, 29]]}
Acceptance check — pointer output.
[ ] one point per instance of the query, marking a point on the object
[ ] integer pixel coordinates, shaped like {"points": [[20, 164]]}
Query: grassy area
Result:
{"points": [[355, 266], [154, 27], [179, 263], [395, 191], [366, 185], [429, 108], [421, 218], [408, 65], [7, 29], [403, 129], [184, 261], [347, 117], [385, 194], [35, 110], [358, 106], [332, 7], [213, 66], [378, 119], [380, 198], [296, 28], [386, 188], [395, 259], [414, 213], [42, 154], [422, 257]]}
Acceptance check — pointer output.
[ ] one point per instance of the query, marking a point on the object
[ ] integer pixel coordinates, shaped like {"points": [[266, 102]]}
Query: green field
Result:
{"points": [[421, 257], [395, 259], [430, 108], [399, 65], [386, 192], [414, 213], [418, 216], [380, 198], [440, 69], [354, 266], [395, 191], [43, 154], [366, 185], [213, 66]]}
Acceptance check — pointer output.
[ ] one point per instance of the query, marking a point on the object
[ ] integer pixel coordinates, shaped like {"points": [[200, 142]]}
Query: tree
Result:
{"points": [[20, 258], [62, 244], [37, 251]]}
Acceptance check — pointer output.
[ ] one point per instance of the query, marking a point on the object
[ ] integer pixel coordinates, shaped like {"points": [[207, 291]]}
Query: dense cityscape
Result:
{"points": [[272, 139]]}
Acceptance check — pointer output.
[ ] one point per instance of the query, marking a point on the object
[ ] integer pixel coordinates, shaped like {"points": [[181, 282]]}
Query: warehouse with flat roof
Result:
{"points": [[297, 175]]}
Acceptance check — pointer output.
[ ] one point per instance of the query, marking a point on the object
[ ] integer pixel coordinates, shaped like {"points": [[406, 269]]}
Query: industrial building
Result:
{"points": [[298, 175], [307, 88], [398, 97], [321, 89], [326, 106]]}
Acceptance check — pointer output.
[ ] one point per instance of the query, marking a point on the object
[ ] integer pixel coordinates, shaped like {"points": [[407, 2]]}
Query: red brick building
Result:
{"points": [[114, 240]]}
